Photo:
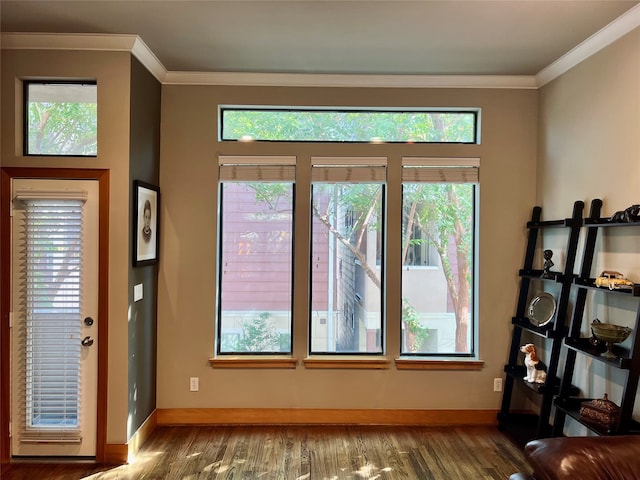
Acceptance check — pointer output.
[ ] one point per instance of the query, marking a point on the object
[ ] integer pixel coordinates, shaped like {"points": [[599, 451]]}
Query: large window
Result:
{"points": [[438, 205], [255, 255], [61, 118], [348, 126], [425, 237], [346, 276]]}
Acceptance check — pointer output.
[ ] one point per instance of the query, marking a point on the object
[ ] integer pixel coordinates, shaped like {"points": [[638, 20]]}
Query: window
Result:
{"points": [[349, 248], [438, 198], [255, 255], [348, 125], [346, 276], [61, 118]]}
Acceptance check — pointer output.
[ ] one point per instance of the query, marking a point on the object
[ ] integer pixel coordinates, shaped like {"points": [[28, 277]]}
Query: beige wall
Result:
{"points": [[187, 284], [112, 72], [589, 148]]}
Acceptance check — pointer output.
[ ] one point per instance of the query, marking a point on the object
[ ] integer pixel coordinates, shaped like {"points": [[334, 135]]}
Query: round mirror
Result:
{"points": [[541, 309]]}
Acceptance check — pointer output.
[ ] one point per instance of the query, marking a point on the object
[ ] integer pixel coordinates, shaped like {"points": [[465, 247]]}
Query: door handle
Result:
{"points": [[87, 341]]}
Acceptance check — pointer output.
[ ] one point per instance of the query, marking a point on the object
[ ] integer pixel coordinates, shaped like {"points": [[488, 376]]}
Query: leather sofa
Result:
{"points": [[583, 458]]}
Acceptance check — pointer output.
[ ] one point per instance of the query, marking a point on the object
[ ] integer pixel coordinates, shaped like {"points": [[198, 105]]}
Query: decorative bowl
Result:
{"points": [[607, 332], [610, 334]]}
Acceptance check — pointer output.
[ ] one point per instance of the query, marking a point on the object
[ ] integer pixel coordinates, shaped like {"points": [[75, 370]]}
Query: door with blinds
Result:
{"points": [[54, 332]]}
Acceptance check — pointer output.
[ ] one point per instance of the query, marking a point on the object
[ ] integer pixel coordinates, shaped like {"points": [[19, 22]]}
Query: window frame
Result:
{"points": [[25, 115], [382, 337], [452, 169], [475, 112], [220, 260], [363, 360]]}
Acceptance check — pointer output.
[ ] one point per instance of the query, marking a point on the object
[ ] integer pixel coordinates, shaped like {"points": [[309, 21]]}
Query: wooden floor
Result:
{"points": [[303, 452]]}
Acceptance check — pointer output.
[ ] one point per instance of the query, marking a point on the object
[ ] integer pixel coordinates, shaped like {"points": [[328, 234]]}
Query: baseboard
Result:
{"points": [[116, 453], [284, 416], [142, 434]]}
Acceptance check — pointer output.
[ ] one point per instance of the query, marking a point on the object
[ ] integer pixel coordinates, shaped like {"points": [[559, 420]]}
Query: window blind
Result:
{"points": [[52, 239], [349, 169], [257, 168], [440, 170]]}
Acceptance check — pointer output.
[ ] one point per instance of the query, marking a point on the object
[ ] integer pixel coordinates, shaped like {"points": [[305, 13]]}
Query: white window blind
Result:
{"points": [[257, 168], [440, 170], [52, 327]]}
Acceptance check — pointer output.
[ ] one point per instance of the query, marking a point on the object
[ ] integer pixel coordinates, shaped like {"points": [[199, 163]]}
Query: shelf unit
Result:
{"points": [[627, 359], [525, 427]]}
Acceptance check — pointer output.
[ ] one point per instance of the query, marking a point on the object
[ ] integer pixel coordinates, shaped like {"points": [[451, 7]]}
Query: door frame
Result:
{"points": [[7, 174]]}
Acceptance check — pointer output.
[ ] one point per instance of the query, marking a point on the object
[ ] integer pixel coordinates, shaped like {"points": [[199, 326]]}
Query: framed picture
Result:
{"points": [[145, 236]]}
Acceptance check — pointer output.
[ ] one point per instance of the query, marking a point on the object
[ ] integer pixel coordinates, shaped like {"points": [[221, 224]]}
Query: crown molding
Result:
{"points": [[348, 80], [144, 54], [622, 25], [86, 41]]}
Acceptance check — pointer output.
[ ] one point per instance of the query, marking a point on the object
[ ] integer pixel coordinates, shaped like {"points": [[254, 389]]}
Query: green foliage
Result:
{"points": [[442, 209], [411, 320], [62, 128], [258, 335], [272, 193], [349, 126], [359, 201]]}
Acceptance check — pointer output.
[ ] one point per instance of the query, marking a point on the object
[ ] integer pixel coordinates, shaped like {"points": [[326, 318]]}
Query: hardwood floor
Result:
{"points": [[303, 453]]}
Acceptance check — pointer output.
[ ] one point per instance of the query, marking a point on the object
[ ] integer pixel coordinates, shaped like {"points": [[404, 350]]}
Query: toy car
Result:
{"points": [[613, 281]]}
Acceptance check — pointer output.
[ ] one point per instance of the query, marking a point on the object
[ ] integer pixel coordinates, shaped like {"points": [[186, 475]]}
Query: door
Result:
{"points": [[54, 323]]}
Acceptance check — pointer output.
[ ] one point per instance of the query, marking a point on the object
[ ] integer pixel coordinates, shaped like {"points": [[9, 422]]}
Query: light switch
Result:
{"points": [[137, 292]]}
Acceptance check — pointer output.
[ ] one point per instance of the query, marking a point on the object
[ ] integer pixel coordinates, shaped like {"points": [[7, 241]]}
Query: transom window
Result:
{"points": [[61, 118], [347, 125]]}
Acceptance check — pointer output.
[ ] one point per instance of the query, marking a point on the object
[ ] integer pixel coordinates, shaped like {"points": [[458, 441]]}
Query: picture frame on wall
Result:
{"points": [[146, 223]]}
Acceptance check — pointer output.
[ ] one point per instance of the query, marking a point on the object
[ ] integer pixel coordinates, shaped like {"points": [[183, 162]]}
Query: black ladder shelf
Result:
{"points": [[628, 359], [525, 427]]}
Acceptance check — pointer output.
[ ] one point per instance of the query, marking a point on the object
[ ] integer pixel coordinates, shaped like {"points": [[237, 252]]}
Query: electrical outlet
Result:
{"points": [[194, 384], [497, 384]]}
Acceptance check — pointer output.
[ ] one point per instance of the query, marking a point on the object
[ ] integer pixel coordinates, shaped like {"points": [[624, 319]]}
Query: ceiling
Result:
{"points": [[394, 37]]}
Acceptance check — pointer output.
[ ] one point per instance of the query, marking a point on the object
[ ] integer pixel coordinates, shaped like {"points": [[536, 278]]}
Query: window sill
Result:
{"points": [[346, 362], [253, 362], [439, 364]]}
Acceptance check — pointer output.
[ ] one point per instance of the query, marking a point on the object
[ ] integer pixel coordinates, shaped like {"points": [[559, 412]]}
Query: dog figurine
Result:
{"points": [[536, 369]]}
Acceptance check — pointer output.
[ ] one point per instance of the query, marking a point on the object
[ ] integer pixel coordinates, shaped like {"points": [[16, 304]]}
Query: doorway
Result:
{"points": [[57, 236]]}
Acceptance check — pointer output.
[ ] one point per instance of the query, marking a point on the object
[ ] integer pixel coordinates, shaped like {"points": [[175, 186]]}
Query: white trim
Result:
{"points": [[68, 41], [610, 33], [440, 162], [256, 160], [87, 41], [349, 80], [144, 54], [351, 161], [67, 194]]}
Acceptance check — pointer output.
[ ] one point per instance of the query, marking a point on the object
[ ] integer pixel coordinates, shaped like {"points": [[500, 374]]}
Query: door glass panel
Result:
{"points": [[53, 230]]}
